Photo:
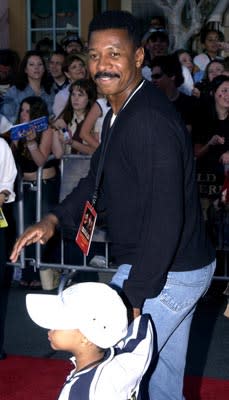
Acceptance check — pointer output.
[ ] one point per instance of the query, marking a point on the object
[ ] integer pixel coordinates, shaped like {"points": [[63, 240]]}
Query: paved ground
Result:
{"points": [[208, 353]]}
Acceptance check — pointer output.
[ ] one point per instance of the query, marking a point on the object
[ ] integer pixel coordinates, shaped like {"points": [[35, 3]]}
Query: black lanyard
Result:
{"points": [[108, 130], [107, 135]]}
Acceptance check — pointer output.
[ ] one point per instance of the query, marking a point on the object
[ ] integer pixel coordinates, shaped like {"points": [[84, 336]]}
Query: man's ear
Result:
{"points": [[139, 56]]}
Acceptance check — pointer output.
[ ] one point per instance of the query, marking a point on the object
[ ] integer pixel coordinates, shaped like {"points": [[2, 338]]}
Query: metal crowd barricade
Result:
{"points": [[73, 176]]}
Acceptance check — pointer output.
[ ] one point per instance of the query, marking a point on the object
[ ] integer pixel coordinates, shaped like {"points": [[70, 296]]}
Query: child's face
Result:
{"points": [[25, 113], [79, 99], [212, 42], [66, 340]]}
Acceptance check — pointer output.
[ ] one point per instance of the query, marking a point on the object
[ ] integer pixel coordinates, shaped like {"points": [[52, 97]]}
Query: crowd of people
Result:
{"points": [[158, 129]]}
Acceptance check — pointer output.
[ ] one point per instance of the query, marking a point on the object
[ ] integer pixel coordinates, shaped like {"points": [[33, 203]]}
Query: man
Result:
{"points": [[56, 62], [157, 24], [157, 44], [148, 187], [74, 68], [167, 76], [72, 43], [8, 174]]}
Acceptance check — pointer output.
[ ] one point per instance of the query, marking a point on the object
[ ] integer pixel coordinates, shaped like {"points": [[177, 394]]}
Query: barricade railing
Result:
{"points": [[99, 235]]}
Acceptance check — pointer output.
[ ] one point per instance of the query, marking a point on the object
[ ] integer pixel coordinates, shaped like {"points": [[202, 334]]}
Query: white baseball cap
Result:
{"points": [[94, 308]]}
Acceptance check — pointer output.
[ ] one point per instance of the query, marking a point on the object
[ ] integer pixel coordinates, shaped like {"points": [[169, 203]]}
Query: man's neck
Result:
{"points": [[118, 100], [60, 81], [173, 95]]}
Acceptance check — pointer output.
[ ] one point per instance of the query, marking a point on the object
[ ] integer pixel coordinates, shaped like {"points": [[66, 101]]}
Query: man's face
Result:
{"points": [[160, 79], [157, 47], [73, 47], [55, 66], [114, 63]]}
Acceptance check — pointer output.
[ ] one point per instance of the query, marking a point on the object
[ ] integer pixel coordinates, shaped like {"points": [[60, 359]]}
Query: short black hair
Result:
{"points": [[205, 31], [158, 35], [171, 66], [217, 82], [117, 20]]}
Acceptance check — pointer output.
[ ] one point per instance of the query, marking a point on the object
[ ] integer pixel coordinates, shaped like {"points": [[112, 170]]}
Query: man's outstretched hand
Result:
{"points": [[40, 232]]}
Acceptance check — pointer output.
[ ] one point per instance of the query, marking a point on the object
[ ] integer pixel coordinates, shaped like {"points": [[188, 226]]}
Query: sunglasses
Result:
{"points": [[157, 76]]}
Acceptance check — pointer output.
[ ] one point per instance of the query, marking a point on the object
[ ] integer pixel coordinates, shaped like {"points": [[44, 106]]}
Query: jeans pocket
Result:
{"points": [[183, 289]]}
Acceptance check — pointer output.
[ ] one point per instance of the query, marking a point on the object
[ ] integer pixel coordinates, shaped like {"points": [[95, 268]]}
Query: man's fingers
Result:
{"points": [[25, 240]]}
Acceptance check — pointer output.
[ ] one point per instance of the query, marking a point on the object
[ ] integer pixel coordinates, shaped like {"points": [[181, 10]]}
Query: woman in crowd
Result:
{"points": [[185, 59], [188, 69], [82, 96], [32, 80], [213, 69], [212, 132], [32, 152], [211, 140]]}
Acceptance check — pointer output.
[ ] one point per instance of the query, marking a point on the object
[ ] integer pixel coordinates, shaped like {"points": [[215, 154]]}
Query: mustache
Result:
{"points": [[99, 75]]}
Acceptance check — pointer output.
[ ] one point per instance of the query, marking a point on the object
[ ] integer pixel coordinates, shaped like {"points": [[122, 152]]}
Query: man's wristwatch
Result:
{"points": [[6, 195]]}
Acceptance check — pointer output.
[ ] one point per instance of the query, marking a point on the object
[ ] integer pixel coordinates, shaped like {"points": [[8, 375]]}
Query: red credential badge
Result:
{"points": [[86, 228]]}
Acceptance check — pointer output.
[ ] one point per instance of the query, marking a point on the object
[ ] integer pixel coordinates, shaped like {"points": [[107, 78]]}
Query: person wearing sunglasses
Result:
{"points": [[167, 76], [156, 44]]}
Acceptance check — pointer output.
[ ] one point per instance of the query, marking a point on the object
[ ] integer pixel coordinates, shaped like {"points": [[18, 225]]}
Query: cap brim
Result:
{"points": [[48, 311]]}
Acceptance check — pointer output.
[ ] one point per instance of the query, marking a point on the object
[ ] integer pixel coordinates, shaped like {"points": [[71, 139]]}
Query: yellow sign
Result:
{"points": [[3, 221]]}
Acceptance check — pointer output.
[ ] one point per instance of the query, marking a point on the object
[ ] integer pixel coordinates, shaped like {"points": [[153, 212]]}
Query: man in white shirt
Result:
{"points": [[8, 174]]}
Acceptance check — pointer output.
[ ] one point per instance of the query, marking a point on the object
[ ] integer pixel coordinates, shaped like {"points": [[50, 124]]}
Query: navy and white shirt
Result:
{"points": [[119, 376]]}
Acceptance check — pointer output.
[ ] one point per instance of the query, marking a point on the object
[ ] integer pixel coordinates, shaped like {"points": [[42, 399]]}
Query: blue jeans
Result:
{"points": [[172, 312]]}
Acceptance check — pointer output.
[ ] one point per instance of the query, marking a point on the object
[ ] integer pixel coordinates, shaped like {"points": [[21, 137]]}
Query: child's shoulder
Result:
{"points": [[121, 376]]}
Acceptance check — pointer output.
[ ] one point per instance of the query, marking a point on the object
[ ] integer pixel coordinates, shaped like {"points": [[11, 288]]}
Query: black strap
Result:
{"points": [[108, 130], [107, 135]]}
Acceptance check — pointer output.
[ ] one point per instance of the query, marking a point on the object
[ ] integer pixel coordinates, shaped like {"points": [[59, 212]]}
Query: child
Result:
{"points": [[90, 320], [82, 96]]}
